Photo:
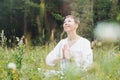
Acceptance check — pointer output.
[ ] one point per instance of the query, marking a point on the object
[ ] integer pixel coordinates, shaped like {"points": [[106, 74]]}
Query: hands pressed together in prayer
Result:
{"points": [[66, 52]]}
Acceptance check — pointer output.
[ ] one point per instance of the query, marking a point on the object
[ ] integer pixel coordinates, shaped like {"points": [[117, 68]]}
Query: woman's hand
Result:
{"points": [[66, 52]]}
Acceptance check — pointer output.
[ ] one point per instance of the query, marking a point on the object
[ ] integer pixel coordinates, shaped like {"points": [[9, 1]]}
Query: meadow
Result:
{"points": [[29, 63]]}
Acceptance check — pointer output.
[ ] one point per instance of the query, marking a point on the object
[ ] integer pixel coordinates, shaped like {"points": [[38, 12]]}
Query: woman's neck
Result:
{"points": [[72, 36]]}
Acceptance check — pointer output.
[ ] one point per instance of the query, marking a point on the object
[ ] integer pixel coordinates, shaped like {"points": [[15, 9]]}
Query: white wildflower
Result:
{"points": [[12, 66], [39, 69]]}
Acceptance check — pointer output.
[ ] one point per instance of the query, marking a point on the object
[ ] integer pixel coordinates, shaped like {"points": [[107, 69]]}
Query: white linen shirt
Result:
{"points": [[80, 51]]}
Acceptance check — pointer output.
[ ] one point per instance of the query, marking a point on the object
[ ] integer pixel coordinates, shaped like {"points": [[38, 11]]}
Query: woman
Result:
{"points": [[73, 49]]}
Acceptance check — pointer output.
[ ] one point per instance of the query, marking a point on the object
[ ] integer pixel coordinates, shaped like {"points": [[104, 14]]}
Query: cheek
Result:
{"points": [[75, 26]]}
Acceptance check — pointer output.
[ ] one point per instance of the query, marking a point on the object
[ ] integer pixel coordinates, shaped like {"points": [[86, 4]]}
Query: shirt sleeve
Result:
{"points": [[87, 54], [53, 55]]}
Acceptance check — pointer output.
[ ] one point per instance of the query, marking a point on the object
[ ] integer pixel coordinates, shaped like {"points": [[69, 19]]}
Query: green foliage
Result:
{"points": [[108, 62], [105, 67], [18, 54], [3, 40], [57, 16], [118, 17], [32, 4], [105, 10]]}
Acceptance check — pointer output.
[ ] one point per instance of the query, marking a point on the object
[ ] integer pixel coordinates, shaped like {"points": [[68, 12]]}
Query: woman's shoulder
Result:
{"points": [[62, 41], [85, 40]]}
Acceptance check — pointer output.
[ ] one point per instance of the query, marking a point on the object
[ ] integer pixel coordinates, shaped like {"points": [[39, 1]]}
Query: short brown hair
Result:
{"points": [[76, 19]]}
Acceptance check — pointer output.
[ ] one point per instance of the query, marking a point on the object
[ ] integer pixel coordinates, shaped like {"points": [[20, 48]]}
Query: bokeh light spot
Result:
{"points": [[107, 31]]}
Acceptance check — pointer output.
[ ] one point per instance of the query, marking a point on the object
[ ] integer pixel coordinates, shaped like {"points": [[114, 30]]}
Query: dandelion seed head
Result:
{"points": [[12, 66]]}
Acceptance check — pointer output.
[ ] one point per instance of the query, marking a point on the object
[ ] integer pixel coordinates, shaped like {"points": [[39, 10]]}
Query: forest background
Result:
{"points": [[40, 21]]}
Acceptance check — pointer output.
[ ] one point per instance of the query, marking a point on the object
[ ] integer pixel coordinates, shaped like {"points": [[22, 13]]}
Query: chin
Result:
{"points": [[67, 31]]}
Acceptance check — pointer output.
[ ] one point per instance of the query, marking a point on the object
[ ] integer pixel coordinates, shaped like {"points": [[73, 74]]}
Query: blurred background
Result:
{"points": [[40, 21]]}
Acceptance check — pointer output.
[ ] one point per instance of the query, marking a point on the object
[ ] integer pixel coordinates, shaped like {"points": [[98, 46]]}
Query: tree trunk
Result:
{"points": [[52, 34], [27, 35]]}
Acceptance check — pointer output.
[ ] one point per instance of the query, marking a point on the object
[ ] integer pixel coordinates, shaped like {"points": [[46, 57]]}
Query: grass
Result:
{"points": [[105, 67]]}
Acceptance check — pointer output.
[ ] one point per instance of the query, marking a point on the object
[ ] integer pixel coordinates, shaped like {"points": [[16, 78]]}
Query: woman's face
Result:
{"points": [[69, 25]]}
